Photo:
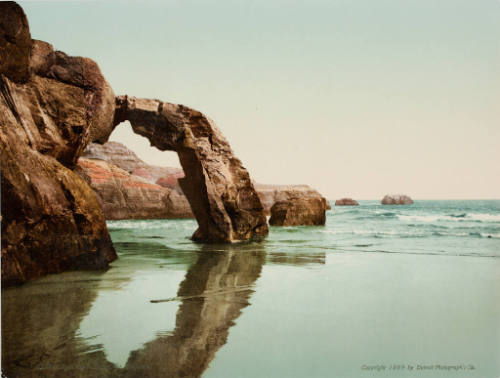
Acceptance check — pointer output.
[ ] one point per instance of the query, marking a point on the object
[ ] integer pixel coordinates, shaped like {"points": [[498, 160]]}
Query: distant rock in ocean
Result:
{"points": [[346, 202], [397, 199], [298, 212]]}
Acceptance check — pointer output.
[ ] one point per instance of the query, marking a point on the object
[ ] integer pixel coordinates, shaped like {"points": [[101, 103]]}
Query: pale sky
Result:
{"points": [[356, 98]]}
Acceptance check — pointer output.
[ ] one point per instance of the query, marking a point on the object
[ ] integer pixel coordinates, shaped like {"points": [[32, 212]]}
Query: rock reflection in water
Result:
{"points": [[216, 288], [41, 321], [39, 328]]}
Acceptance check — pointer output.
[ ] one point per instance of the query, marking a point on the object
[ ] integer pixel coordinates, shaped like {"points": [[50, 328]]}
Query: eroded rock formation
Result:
{"points": [[270, 194], [397, 199], [119, 155], [346, 202], [298, 212], [51, 106], [113, 197], [128, 196], [216, 184]]}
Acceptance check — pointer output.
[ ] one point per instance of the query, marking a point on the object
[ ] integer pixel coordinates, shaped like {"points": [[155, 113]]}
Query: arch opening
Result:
{"points": [[217, 186]]}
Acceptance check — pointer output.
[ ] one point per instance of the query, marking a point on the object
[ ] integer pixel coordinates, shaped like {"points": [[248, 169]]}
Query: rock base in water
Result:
{"points": [[51, 106], [270, 194], [397, 199], [298, 212], [346, 202]]}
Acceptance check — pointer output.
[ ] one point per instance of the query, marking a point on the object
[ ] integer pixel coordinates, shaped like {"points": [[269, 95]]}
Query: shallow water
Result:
{"points": [[378, 291]]}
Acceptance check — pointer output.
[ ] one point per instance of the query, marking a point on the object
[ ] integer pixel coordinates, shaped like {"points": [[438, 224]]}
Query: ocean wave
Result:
{"points": [[475, 217], [114, 225], [483, 217], [408, 234]]}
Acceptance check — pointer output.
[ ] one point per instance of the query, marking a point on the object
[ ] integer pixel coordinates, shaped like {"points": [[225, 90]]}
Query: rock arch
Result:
{"points": [[217, 186]]}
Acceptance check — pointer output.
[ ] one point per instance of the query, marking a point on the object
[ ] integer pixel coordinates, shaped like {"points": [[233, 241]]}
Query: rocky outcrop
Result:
{"points": [[397, 199], [51, 106], [119, 155], [298, 212], [270, 194], [346, 202], [216, 184], [128, 196]]}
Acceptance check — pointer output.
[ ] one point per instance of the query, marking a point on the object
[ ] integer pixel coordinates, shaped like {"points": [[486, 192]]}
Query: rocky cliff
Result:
{"points": [[113, 192], [51, 106], [128, 196]]}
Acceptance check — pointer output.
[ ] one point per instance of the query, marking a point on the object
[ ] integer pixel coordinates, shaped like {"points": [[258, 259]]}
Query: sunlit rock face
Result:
{"points": [[128, 196], [346, 202], [298, 212], [397, 199], [51, 106], [270, 194], [216, 184]]}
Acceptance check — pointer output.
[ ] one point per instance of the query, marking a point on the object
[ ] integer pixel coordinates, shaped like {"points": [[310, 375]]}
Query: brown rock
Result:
{"points": [[116, 154], [346, 202], [217, 185], [126, 196], [119, 155], [298, 212], [15, 42], [270, 194], [397, 199], [50, 108]]}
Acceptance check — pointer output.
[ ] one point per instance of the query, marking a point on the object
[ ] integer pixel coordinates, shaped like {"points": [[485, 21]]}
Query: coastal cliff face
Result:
{"points": [[153, 185], [126, 196], [51, 106]]}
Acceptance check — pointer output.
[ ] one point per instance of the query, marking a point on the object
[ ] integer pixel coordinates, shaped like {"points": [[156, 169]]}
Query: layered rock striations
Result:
{"points": [[298, 212], [113, 195], [396, 199], [126, 196], [51, 106], [216, 184]]}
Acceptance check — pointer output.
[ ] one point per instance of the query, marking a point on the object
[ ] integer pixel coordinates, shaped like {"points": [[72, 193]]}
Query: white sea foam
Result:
{"points": [[453, 218], [484, 217], [149, 224]]}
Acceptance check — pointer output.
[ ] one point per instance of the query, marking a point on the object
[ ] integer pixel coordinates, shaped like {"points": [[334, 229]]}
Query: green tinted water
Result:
{"points": [[371, 294]]}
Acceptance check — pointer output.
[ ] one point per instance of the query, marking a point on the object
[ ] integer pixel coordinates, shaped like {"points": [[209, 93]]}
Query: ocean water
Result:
{"points": [[379, 291]]}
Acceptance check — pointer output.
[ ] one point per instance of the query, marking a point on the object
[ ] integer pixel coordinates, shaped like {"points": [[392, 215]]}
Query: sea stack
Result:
{"points": [[346, 202], [270, 194], [396, 199], [298, 212]]}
